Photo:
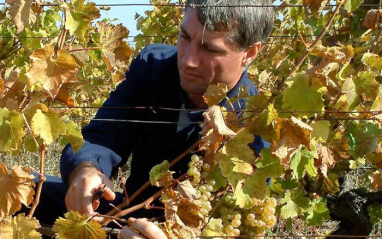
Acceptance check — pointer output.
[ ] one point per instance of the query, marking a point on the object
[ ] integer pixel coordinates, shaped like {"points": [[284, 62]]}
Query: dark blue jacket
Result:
{"points": [[152, 81]]}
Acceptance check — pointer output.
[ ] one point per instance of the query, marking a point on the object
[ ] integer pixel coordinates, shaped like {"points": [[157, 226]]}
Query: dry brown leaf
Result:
{"points": [[213, 118], [371, 18], [78, 226], [16, 189], [315, 5], [188, 212], [215, 94], [376, 180], [22, 13], [292, 133], [64, 97], [326, 159], [186, 190], [52, 72], [116, 51], [13, 89]]}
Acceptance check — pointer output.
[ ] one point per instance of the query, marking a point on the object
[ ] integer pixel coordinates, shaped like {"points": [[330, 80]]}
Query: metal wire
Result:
{"points": [[199, 5]]}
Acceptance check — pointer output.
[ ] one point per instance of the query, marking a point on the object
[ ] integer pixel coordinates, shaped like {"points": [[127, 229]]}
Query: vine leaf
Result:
{"points": [[11, 129], [302, 97], [22, 13], [19, 227], [214, 228], [160, 175], [52, 71], [372, 60], [366, 85], [371, 17], [214, 128], [215, 94], [113, 48], [315, 6], [352, 5], [321, 130], [326, 159], [293, 133], [73, 136], [376, 180], [48, 125], [79, 17], [186, 190], [294, 204], [318, 213], [75, 225], [213, 118], [15, 188]]}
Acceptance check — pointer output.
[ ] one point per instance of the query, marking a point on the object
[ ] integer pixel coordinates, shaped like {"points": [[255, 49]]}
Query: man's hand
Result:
{"points": [[84, 182], [145, 229]]}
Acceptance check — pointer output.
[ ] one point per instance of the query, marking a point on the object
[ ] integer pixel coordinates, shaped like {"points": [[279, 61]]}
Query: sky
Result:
{"points": [[124, 14]]}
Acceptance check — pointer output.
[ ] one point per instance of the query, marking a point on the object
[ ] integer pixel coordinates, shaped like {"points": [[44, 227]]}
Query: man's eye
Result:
{"points": [[184, 36]]}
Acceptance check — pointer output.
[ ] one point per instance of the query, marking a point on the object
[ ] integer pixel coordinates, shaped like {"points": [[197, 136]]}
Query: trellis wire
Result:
{"points": [[200, 5]]}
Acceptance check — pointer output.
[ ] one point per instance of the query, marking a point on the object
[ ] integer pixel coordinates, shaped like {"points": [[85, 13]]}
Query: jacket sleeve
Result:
{"points": [[109, 138]]}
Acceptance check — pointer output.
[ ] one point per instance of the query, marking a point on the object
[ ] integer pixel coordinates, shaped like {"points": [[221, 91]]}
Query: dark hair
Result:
{"points": [[246, 21]]}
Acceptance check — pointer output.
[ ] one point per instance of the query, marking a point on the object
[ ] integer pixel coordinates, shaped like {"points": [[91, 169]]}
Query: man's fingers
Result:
{"points": [[87, 205], [127, 233], [109, 194], [148, 229]]}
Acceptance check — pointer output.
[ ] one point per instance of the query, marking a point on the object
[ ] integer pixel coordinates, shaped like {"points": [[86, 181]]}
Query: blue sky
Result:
{"points": [[125, 14]]}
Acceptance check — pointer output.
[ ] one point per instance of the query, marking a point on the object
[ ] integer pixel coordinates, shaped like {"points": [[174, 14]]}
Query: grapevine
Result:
{"points": [[319, 77]]}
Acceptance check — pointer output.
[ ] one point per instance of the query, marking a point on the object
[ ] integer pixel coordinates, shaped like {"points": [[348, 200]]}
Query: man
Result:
{"points": [[215, 45]]}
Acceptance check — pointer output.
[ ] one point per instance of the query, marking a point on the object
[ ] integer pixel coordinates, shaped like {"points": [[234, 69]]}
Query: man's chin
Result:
{"points": [[192, 89]]}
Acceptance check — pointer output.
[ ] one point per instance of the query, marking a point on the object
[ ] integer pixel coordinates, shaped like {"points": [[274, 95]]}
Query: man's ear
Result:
{"points": [[251, 53]]}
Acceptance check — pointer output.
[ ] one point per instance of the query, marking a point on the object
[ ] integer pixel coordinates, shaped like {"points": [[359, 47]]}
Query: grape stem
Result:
{"points": [[40, 182], [148, 183]]}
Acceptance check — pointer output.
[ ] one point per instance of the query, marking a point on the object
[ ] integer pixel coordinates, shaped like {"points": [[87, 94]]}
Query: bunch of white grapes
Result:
{"points": [[252, 222], [236, 221], [197, 170]]}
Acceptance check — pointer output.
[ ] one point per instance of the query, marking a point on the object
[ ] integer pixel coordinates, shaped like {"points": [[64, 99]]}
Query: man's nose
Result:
{"points": [[191, 57]]}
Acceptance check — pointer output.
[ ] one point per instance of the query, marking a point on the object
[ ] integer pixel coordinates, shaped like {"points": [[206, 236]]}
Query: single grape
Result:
{"points": [[251, 217], [236, 222], [194, 158], [211, 182]]}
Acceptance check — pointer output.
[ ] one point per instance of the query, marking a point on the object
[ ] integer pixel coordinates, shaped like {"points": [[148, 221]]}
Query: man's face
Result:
{"points": [[206, 58]]}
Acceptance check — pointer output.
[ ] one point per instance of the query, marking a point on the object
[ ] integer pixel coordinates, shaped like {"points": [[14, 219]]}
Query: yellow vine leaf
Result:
{"points": [[19, 227], [113, 48], [75, 225], [22, 13], [215, 94], [48, 125], [6, 230], [52, 71], [372, 60], [16, 189], [79, 17], [376, 180]]}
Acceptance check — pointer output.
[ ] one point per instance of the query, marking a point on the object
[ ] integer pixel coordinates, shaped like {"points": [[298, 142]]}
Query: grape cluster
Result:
{"points": [[252, 222], [236, 221], [199, 171]]}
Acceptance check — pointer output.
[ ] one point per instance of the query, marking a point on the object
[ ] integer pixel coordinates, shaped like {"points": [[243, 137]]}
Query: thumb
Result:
{"points": [[109, 194]]}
